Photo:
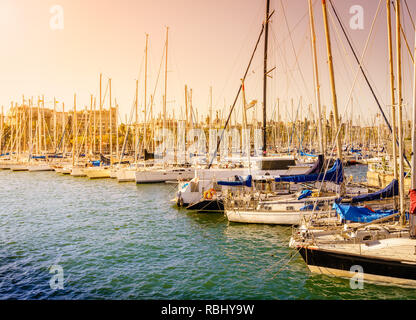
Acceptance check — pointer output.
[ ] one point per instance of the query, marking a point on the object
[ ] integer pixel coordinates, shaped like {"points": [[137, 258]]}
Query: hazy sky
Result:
{"points": [[210, 43]]}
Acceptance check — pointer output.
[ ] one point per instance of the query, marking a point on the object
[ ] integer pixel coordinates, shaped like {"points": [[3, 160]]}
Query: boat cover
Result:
{"points": [[360, 214], [239, 181], [335, 174], [390, 191]]}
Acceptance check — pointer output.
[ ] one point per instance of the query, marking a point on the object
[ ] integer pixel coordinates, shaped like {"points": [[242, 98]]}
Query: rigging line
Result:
{"points": [[364, 74], [294, 52], [410, 15], [221, 95], [404, 36], [158, 74], [339, 41], [288, 71], [238, 93]]}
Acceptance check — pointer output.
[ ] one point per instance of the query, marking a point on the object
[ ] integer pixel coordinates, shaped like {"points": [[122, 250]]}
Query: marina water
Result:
{"points": [[127, 241]]}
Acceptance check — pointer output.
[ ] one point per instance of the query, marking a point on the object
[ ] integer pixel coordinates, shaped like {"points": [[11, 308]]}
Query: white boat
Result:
{"points": [[286, 210], [191, 192], [152, 175], [40, 167], [78, 172], [98, 172]]}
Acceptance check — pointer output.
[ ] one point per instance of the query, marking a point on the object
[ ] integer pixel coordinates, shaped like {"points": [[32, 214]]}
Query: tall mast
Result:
{"points": [[266, 40], [117, 143], [392, 95], [44, 124], [400, 124], [63, 129], [94, 132], [316, 79], [74, 126], [210, 106], [54, 124], [333, 88], [136, 125], [101, 117], [145, 95], [412, 216], [166, 77], [111, 125], [90, 126]]}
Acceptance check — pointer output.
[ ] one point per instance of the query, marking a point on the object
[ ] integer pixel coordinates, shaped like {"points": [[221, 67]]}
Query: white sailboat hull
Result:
{"points": [[149, 176]]}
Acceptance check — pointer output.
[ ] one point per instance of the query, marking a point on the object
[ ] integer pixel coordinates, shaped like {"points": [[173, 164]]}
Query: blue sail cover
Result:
{"points": [[239, 182], [335, 174], [360, 214], [388, 192]]}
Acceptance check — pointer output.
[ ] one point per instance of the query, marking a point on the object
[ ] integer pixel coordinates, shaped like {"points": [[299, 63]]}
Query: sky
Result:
{"points": [[209, 45]]}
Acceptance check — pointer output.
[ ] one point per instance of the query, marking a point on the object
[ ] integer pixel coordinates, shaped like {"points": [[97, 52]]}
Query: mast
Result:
{"points": [[90, 126], [145, 96], [111, 126], [332, 81], [101, 118], [316, 79], [392, 95], [54, 123], [210, 107], [136, 125], [266, 40], [412, 216], [166, 78], [63, 129], [400, 124], [117, 154], [74, 126], [44, 124]]}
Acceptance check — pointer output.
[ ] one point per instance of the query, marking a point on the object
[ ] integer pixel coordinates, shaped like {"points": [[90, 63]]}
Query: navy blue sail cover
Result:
{"points": [[388, 192], [239, 182], [335, 174]]}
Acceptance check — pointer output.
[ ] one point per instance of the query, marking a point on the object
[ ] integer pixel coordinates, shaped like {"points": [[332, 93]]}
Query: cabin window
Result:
{"points": [[290, 208]]}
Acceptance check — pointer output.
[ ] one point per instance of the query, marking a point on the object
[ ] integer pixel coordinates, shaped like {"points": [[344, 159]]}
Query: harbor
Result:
{"points": [[295, 179], [115, 241]]}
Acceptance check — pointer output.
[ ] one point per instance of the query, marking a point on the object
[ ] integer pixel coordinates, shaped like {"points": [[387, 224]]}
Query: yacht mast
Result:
{"points": [[316, 78], [266, 40], [400, 124], [333, 89], [412, 216]]}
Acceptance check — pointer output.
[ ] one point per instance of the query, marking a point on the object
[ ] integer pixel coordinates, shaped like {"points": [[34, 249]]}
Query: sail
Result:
{"points": [[360, 214], [335, 174], [239, 181], [390, 191]]}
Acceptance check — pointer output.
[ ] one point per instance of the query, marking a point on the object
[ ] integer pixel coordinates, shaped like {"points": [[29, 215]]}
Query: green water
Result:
{"points": [[122, 241]]}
